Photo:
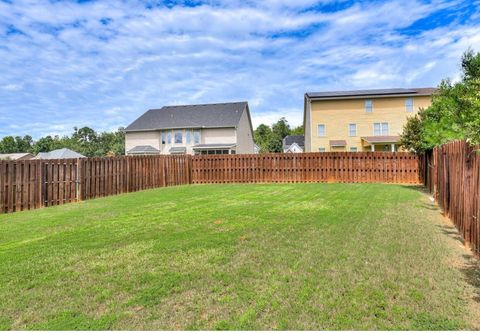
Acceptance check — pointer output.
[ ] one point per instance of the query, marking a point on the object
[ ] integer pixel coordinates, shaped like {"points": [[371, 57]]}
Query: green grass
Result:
{"points": [[294, 256]]}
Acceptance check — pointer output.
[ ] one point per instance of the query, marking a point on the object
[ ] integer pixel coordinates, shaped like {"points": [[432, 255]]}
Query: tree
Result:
{"points": [[8, 145], [297, 130], [279, 130], [454, 113]]}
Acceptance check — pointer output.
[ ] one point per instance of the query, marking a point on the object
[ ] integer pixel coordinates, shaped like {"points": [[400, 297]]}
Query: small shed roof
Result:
{"points": [[382, 139], [143, 150], [338, 143]]}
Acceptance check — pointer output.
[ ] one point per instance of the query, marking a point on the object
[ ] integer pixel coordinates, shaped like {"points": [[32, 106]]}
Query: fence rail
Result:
{"points": [[452, 174], [33, 184]]}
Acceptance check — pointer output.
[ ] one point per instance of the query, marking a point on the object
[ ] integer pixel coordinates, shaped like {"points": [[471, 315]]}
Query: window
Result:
{"points": [[169, 137], [179, 137], [353, 149], [321, 150], [352, 129], [189, 136], [196, 136], [320, 130], [368, 105], [380, 129], [409, 104], [164, 138]]}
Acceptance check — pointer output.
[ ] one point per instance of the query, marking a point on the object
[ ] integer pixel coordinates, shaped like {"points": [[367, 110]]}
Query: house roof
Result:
{"points": [[190, 116], [59, 154], [215, 145], [143, 150], [348, 94], [16, 156], [290, 139], [338, 143], [382, 139]]}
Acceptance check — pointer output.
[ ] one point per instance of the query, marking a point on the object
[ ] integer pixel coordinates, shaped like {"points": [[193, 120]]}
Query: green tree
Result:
{"points": [[297, 130], [454, 113], [262, 135], [8, 145], [279, 130]]}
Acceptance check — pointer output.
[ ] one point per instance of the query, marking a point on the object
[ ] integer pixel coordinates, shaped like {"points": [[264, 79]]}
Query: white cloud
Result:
{"points": [[62, 66]]}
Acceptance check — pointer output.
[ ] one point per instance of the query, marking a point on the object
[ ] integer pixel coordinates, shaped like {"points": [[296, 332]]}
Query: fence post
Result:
{"points": [[79, 180], [468, 194]]}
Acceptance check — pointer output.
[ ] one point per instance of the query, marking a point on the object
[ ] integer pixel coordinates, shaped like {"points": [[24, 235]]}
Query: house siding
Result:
{"points": [[147, 138], [244, 135], [336, 115]]}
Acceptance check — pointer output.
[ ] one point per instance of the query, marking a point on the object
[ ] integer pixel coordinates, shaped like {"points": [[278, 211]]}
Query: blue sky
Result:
{"points": [[103, 63]]}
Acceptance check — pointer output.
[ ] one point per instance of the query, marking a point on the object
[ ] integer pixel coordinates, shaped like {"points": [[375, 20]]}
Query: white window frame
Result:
{"points": [[409, 104], [324, 130], [383, 129], [188, 136], [368, 106], [169, 137], [197, 138], [353, 149], [321, 150], [164, 138], [350, 129], [175, 137]]}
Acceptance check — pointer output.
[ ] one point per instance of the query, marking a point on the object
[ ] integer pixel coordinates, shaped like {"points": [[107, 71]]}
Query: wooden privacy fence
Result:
{"points": [[33, 184], [452, 173], [38, 183], [368, 167]]}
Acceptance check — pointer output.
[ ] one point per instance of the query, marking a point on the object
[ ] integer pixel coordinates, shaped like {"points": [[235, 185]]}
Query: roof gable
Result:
{"points": [[190, 116]]}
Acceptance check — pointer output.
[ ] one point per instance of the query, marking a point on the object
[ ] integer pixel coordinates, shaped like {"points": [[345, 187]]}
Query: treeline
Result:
{"points": [[85, 141], [454, 113], [269, 138]]}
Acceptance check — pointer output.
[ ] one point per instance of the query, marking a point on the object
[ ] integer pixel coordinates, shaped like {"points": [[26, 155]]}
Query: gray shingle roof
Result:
{"points": [[290, 139], [371, 93], [214, 145], [143, 150], [59, 154], [178, 150], [190, 116]]}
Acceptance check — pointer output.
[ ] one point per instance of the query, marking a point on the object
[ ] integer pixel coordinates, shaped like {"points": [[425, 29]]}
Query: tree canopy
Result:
{"points": [[269, 139], [84, 140], [454, 113]]}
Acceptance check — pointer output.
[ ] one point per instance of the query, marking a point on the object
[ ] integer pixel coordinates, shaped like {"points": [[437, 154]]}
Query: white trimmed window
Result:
{"points": [[352, 129], [321, 150], [164, 137], [320, 130], [380, 129], [188, 136], [169, 137], [409, 104], [179, 137], [368, 105], [196, 137], [353, 149]]}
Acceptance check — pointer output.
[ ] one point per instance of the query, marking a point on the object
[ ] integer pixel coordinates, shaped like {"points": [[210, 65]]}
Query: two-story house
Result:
{"points": [[224, 128], [361, 120]]}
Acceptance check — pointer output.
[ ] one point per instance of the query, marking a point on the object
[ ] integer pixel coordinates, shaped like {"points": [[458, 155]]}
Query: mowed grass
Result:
{"points": [[290, 256]]}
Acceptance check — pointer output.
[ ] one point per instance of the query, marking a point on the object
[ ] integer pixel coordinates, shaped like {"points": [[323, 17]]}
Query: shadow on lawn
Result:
{"points": [[471, 267]]}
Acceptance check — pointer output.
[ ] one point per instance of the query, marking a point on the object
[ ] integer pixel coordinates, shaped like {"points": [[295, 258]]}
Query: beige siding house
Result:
{"points": [[223, 128], [361, 120]]}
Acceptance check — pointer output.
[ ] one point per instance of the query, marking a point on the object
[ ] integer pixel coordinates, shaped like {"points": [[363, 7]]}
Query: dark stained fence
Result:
{"points": [[452, 174], [368, 167]]}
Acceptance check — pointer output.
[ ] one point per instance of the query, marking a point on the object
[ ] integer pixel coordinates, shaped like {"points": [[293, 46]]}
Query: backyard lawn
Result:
{"points": [[277, 256]]}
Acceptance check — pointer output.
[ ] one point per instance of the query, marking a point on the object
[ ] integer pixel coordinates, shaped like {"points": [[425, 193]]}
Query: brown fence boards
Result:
{"points": [[365, 167], [451, 172], [33, 184]]}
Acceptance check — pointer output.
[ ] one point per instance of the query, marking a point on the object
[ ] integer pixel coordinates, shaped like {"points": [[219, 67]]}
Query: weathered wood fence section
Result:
{"points": [[452, 174], [33, 184], [369, 167]]}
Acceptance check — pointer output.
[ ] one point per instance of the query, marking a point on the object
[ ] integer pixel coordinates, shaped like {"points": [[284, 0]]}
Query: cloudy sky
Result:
{"points": [[103, 63]]}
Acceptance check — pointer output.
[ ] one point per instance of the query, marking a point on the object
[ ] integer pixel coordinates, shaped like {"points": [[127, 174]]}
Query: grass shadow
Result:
{"points": [[471, 271]]}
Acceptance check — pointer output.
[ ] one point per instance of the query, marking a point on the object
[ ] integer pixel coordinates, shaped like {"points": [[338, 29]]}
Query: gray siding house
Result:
{"points": [[224, 128]]}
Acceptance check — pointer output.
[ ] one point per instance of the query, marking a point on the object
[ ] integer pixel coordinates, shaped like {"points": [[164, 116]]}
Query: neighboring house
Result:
{"points": [[256, 149], [59, 154], [16, 156], [224, 128], [360, 120], [293, 143]]}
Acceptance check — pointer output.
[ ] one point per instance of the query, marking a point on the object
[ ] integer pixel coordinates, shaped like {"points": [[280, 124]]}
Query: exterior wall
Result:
{"points": [[338, 114], [244, 135], [133, 139], [218, 135]]}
